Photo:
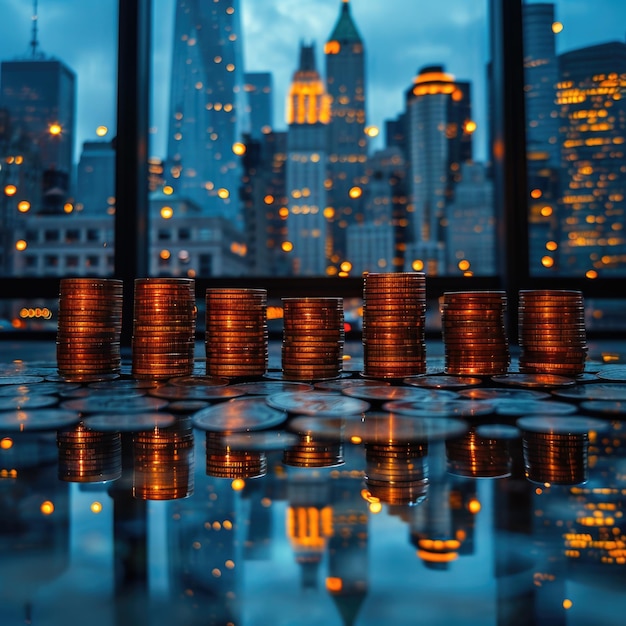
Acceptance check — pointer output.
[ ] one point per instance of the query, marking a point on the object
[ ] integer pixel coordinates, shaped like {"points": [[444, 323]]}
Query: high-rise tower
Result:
{"points": [[347, 145], [308, 114], [39, 94], [592, 100], [208, 112], [439, 137]]}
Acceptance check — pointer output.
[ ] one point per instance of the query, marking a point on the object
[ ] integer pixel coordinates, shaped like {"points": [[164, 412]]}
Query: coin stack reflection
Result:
{"points": [[164, 327], [236, 336], [89, 456], [552, 335], [224, 461], [313, 338], [89, 328], [163, 462], [397, 473], [473, 332], [556, 458], [394, 320], [478, 457], [312, 451]]}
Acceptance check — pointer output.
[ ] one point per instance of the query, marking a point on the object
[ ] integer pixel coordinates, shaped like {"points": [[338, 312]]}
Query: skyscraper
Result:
{"points": [[542, 135], [39, 94], [439, 138], [208, 111], [347, 143], [592, 99], [258, 86], [308, 113]]}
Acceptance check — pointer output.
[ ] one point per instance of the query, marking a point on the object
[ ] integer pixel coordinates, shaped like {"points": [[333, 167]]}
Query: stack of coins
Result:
{"points": [[163, 462], [164, 328], [224, 461], [478, 457], [552, 335], [236, 332], [313, 338], [89, 328], [473, 332], [89, 456], [394, 320], [397, 473]]}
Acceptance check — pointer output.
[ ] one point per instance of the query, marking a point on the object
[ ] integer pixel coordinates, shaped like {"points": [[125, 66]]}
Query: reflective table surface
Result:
{"points": [[441, 501]]}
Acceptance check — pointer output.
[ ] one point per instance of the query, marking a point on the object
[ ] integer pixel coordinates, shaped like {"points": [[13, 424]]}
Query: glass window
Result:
{"points": [[365, 149]]}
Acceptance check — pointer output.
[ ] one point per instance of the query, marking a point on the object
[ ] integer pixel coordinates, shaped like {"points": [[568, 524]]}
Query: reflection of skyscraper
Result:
{"points": [[308, 113], [439, 127], [592, 101], [207, 105], [347, 148]]}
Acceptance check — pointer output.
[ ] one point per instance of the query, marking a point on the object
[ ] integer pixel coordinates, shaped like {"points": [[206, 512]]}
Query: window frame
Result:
{"points": [[131, 257]]}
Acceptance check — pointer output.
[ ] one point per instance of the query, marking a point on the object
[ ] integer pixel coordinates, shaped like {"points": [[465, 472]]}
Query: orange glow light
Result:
{"points": [[10, 190], [355, 192], [47, 507], [55, 129]]}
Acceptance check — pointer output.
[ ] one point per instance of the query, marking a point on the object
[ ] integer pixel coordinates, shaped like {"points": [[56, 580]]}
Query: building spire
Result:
{"points": [[345, 30], [34, 41]]}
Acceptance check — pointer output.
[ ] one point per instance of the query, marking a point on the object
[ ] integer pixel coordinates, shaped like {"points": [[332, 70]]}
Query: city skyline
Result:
{"points": [[91, 53]]}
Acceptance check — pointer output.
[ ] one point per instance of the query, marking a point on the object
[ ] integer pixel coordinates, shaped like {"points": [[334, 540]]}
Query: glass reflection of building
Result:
{"points": [[439, 139], [590, 96], [207, 106]]}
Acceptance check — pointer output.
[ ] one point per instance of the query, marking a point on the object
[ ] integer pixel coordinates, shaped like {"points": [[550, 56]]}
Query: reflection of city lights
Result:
{"points": [[269, 198], [546, 211], [165, 254], [547, 261], [417, 265], [536, 193], [23, 206], [101, 131], [287, 246], [552, 246], [223, 193], [329, 213], [355, 192], [47, 507], [557, 27], [464, 265], [346, 266], [68, 207], [591, 274], [470, 126], [239, 148], [168, 190], [167, 212], [372, 131], [10, 190], [6, 443], [21, 245], [96, 507], [473, 506], [238, 484], [55, 129]]}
